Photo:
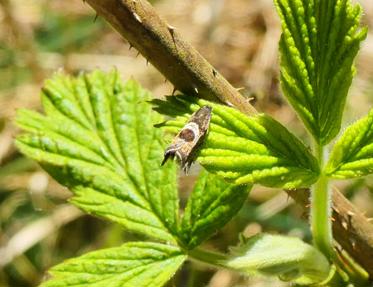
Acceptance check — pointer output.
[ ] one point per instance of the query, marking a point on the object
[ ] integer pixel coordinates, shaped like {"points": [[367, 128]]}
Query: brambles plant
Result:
{"points": [[97, 137]]}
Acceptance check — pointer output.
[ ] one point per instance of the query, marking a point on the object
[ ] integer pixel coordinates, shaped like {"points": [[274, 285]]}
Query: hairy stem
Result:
{"points": [[320, 216], [321, 225], [208, 257], [321, 210]]}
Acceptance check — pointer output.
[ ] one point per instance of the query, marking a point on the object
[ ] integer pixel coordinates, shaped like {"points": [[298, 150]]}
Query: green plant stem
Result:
{"points": [[321, 210], [208, 257], [321, 224]]}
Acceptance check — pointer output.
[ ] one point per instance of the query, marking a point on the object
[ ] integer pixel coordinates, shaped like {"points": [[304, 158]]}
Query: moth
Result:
{"points": [[190, 137]]}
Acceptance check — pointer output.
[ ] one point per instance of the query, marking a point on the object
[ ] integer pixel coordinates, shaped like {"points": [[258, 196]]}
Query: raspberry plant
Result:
{"points": [[97, 137]]}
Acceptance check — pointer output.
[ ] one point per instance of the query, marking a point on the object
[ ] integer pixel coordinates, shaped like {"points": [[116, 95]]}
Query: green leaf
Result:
{"points": [[243, 149], [212, 204], [289, 258], [352, 155], [98, 139], [319, 42], [139, 264]]}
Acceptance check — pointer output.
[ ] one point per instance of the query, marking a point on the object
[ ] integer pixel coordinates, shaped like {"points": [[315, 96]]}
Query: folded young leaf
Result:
{"points": [[139, 264], [319, 42], [243, 149], [287, 257], [98, 139], [352, 155], [212, 204]]}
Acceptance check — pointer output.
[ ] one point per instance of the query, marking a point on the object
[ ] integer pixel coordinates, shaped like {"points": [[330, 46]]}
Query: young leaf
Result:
{"points": [[98, 139], [319, 42], [352, 155], [245, 150], [287, 257], [139, 264], [212, 204]]}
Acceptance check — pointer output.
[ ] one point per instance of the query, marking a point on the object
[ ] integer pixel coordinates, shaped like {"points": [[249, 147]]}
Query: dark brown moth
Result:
{"points": [[189, 138]]}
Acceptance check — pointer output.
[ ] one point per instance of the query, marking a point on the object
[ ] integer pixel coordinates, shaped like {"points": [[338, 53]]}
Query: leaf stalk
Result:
{"points": [[321, 224], [321, 209], [208, 257]]}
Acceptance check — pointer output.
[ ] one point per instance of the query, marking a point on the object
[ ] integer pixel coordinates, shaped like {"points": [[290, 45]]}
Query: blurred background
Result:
{"points": [[38, 228]]}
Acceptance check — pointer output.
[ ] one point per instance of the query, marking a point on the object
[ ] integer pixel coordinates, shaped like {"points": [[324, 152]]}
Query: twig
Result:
{"points": [[161, 45], [182, 65]]}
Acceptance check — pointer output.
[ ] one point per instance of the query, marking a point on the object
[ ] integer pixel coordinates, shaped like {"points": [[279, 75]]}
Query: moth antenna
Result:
{"points": [[167, 155]]}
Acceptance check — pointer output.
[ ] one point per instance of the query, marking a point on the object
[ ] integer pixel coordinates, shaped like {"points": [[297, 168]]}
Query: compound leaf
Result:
{"points": [[245, 149], [98, 139], [319, 42], [352, 155], [212, 204], [141, 264]]}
